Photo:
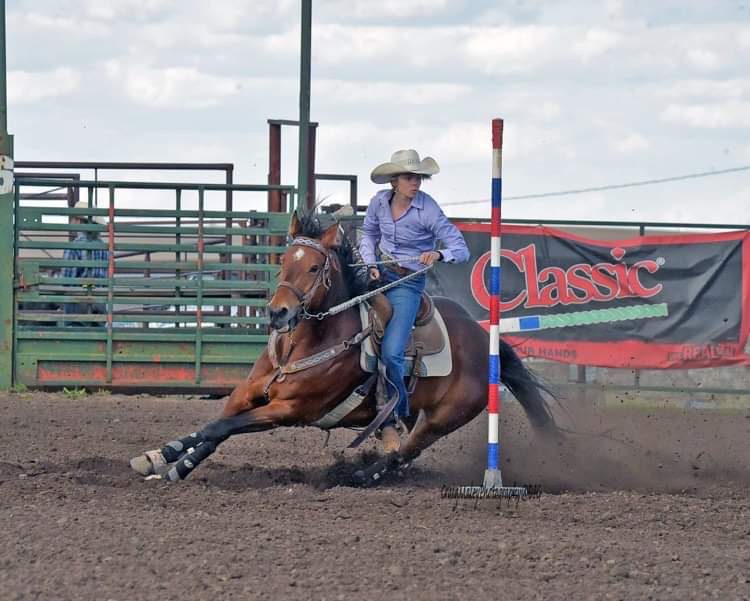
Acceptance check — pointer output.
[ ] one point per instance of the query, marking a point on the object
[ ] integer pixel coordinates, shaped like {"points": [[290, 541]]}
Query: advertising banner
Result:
{"points": [[703, 279]]}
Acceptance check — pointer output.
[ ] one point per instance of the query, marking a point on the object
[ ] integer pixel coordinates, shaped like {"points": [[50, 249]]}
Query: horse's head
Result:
{"points": [[306, 276]]}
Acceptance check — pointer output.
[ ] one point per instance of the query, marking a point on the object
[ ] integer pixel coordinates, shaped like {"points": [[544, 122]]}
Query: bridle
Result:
{"points": [[322, 279]]}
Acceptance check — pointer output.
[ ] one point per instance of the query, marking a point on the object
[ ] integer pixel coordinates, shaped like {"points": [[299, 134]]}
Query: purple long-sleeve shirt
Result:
{"points": [[418, 230]]}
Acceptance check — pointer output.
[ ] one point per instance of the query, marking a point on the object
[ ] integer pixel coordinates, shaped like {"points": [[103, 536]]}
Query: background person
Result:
{"points": [[84, 271]]}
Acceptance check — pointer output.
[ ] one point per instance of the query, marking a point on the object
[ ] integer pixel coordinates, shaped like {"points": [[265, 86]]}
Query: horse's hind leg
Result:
{"points": [[428, 429]]}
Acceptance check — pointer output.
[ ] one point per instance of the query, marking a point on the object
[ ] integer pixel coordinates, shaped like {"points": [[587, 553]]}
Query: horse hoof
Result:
{"points": [[149, 463], [359, 478], [370, 476], [142, 465], [365, 479]]}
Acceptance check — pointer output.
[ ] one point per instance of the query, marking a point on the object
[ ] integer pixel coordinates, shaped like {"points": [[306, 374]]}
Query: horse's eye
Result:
{"points": [[314, 268]]}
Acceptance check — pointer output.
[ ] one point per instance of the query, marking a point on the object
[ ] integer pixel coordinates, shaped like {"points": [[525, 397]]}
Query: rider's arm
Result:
{"points": [[370, 233], [454, 246]]}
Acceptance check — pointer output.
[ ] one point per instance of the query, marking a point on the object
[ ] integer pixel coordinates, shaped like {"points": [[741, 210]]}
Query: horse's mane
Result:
{"points": [[355, 278]]}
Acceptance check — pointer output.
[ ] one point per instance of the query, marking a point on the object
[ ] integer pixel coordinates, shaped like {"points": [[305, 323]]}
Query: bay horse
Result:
{"points": [[315, 275]]}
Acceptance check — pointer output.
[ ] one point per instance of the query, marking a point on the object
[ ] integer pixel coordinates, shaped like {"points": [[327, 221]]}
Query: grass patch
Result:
{"points": [[74, 393]]}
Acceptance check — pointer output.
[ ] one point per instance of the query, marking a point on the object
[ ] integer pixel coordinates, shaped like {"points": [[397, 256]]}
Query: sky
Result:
{"points": [[593, 93]]}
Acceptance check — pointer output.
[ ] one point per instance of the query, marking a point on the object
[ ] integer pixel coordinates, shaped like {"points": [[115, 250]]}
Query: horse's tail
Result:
{"points": [[527, 388]]}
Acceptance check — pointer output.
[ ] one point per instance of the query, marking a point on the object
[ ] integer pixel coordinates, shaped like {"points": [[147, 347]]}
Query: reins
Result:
{"points": [[304, 298]]}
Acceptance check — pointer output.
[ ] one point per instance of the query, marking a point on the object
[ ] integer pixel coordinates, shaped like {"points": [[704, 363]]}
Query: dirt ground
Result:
{"points": [[639, 505]]}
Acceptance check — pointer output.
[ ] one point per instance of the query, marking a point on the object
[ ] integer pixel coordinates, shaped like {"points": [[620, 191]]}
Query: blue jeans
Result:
{"points": [[85, 309], [404, 299]]}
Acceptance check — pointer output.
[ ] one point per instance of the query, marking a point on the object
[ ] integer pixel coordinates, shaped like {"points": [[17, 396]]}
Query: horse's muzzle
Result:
{"points": [[283, 319]]}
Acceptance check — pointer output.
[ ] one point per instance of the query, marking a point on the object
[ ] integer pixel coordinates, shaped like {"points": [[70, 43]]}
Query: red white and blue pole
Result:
{"points": [[492, 487], [492, 475]]}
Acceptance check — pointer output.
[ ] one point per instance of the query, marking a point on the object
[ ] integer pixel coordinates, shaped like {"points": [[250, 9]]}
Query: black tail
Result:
{"points": [[527, 388]]}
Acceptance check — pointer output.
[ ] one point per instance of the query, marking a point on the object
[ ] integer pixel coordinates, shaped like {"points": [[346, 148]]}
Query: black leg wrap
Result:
{"points": [[217, 431], [183, 468], [172, 451], [371, 475], [205, 443]]}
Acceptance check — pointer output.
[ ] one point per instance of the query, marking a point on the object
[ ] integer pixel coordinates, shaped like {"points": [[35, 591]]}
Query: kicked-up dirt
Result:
{"points": [[639, 505]]}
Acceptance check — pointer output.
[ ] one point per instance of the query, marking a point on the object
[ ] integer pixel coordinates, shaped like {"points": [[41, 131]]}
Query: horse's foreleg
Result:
{"points": [[213, 434], [157, 461]]}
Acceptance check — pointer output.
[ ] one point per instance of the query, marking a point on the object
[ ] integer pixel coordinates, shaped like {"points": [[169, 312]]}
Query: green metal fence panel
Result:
{"points": [[159, 299]]}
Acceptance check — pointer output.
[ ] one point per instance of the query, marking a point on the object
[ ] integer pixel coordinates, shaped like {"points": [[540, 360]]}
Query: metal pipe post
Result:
{"points": [[311, 167], [274, 168], [304, 104], [7, 202]]}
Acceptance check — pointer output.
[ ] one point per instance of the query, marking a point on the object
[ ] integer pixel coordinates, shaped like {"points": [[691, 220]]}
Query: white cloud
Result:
{"points": [[706, 89], [703, 59], [69, 26], [717, 115], [463, 142], [632, 142], [596, 42], [162, 36], [499, 50], [172, 87], [392, 93], [367, 9], [525, 140], [545, 110], [109, 10], [25, 87], [335, 44]]}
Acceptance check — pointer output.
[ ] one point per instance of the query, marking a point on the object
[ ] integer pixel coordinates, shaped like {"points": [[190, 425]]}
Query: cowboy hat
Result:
{"points": [[404, 161], [82, 204]]}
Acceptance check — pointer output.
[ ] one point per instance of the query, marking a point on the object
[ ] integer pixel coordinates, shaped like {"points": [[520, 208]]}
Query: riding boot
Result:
{"points": [[390, 439], [390, 435]]}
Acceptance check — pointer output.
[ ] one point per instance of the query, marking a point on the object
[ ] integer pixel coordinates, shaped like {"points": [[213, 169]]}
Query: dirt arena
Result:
{"points": [[639, 505]]}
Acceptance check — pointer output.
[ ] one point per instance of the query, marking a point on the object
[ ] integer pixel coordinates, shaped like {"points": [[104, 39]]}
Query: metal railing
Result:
{"points": [[164, 267]]}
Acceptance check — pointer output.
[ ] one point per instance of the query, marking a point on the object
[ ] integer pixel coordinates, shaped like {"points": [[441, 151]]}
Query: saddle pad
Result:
{"points": [[431, 366]]}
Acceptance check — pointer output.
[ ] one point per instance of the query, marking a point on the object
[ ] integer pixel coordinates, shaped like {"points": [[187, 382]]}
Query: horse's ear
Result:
{"points": [[333, 236], [295, 226]]}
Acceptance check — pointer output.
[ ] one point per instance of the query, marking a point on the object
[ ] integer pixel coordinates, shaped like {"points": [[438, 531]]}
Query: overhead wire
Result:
{"points": [[647, 182]]}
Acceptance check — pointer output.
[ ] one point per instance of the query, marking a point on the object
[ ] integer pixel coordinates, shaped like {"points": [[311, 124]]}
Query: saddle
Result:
{"points": [[427, 353]]}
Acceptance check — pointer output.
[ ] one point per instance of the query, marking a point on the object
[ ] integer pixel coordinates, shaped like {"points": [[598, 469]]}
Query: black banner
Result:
{"points": [[704, 280]]}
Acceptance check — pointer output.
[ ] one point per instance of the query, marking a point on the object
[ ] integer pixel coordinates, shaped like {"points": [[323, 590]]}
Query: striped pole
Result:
{"points": [[492, 476]]}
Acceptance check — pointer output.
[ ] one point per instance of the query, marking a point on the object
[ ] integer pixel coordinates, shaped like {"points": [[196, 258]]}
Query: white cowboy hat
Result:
{"points": [[82, 204], [404, 161]]}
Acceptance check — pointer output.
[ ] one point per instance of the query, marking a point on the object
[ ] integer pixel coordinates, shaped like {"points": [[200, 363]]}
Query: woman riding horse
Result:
{"points": [[312, 364], [407, 224]]}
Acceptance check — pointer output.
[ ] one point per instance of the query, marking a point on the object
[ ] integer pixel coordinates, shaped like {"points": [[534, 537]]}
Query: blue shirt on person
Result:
{"points": [[77, 254], [418, 230]]}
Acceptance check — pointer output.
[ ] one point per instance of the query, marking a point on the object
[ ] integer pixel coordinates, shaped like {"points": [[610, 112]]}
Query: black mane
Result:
{"points": [[355, 278]]}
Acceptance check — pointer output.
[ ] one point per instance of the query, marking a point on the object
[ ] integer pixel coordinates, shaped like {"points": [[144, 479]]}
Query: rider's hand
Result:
{"points": [[429, 257], [374, 274]]}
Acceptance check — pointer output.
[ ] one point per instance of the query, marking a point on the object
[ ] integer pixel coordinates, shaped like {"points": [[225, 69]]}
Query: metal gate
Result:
{"points": [[156, 290]]}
